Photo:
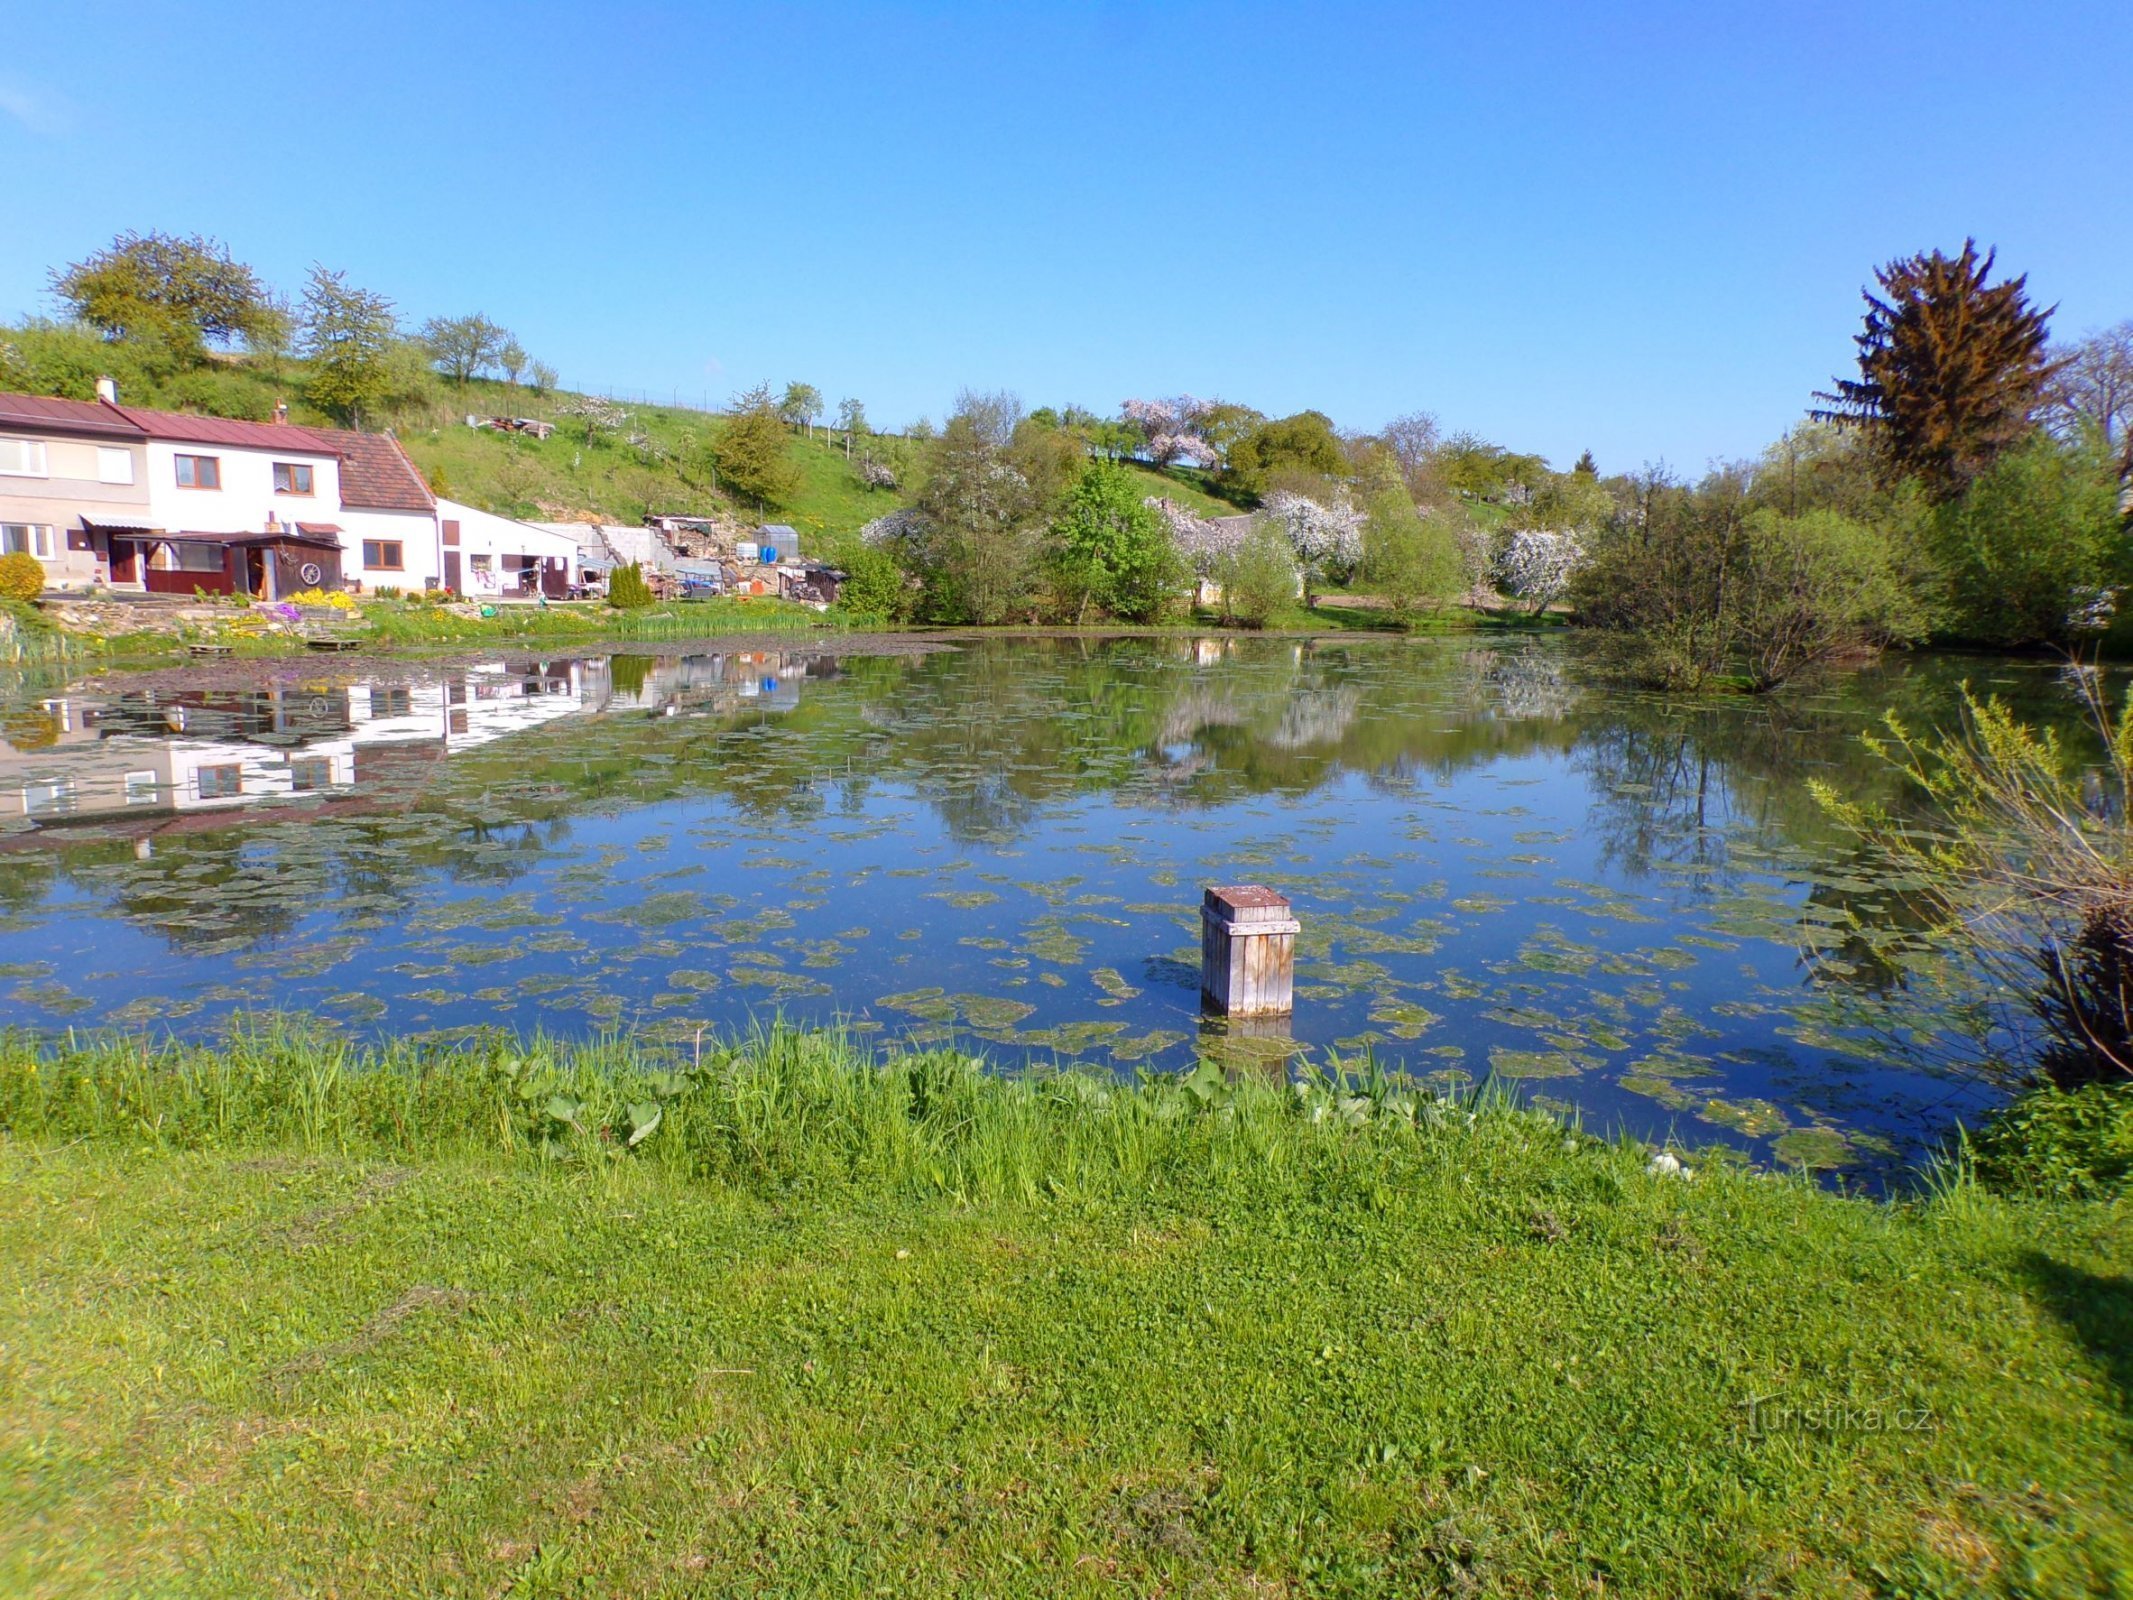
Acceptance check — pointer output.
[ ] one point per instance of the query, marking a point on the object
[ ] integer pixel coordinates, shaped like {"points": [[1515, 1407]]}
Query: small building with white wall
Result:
{"points": [[501, 558]]}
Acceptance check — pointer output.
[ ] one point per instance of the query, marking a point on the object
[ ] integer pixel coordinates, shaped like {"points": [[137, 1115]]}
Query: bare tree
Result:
{"points": [[2093, 387], [1413, 440]]}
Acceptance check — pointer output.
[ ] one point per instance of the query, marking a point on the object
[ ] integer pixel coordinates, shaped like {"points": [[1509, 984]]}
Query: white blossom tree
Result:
{"points": [[1325, 539], [1535, 565]]}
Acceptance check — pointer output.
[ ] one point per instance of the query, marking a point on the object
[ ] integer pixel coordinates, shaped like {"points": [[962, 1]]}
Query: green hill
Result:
{"points": [[658, 460], [668, 468]]}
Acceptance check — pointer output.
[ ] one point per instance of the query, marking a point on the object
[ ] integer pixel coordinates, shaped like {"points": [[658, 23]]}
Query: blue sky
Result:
{"points": [[1638, 228]]}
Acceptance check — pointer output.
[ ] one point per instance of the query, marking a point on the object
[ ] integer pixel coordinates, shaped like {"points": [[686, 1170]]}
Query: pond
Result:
{"points": [[1501, 867]]}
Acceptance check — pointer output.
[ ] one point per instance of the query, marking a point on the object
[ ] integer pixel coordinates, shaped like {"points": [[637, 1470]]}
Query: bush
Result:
{"points": [[1411, 560], [2061, 1144], [1258, 577], [627, 590], [2034, 540], [2020, 861], [21, 577], [875, 586], [1706, 591]]}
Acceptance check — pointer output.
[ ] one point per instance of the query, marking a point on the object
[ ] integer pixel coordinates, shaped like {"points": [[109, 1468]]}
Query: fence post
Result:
{"points": [[1247, 952]]}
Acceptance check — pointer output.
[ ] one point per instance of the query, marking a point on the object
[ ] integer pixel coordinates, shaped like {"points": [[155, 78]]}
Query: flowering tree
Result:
{"points": [[1201, 541], [1324, 538], [1170, 430], [1535, 565]]}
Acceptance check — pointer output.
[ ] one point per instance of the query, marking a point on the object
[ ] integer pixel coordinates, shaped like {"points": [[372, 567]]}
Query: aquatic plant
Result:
{"points": [[2025, 864]]}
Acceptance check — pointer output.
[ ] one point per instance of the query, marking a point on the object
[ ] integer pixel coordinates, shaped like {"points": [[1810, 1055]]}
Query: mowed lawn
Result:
{"points": [[1499, 1363]]}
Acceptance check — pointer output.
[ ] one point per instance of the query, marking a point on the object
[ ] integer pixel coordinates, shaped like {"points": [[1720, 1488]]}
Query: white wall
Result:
{"points": [[247, 493], [416, 532], [482, 533]]}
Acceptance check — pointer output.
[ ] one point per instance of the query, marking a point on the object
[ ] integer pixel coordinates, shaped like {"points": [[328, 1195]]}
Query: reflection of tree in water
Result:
{"points": [[991, 735], [1525, 683]]}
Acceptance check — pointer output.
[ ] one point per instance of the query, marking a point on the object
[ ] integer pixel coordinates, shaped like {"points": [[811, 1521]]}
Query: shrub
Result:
{"points": [[1258, 577], [2024, 867], [875, 586], [2061, 1144], [1411, 560], [627, 590], [21, 576], [1706, 591], [2032, 541]]}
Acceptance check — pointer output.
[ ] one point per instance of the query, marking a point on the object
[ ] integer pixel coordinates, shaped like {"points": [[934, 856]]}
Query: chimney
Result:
{"points": [[281, 411], [107, 391]]}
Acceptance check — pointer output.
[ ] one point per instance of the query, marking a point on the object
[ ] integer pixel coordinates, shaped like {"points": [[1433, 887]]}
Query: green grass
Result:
{"points": [[285, 1318], [610, 480]]}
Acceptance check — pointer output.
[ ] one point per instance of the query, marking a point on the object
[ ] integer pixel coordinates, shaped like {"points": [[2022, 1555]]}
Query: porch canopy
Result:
{"points": [[266, 566]]}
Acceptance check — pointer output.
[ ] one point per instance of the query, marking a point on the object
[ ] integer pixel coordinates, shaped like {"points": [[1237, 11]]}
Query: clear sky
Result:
{"points": [[1638, 228]]}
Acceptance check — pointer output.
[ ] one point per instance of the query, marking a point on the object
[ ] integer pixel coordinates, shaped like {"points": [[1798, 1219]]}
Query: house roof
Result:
{"points": [[376, 474], [36, 413], [182, 427]]}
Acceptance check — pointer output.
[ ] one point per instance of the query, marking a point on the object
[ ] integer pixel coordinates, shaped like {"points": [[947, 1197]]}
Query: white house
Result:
{"points": [[173, 503]]}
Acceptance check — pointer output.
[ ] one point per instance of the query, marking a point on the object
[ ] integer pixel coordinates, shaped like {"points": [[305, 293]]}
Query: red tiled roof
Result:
{"points": [[36, 413], [182, 427], [376, 474]]}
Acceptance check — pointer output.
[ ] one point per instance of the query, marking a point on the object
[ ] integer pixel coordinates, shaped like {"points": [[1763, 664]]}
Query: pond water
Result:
{"points": [[1500, 867]]}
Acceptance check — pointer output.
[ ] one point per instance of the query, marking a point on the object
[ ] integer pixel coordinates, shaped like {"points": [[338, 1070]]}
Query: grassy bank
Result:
{"points": [[289, 1318]]}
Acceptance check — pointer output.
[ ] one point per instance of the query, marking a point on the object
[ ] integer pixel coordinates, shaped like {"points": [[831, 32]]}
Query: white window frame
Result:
{"points": [[40, 539], [143, 788], [114, 464], [34, 454], [49, 797]]}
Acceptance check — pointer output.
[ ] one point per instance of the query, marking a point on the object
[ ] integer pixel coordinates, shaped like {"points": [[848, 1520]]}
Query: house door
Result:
{"points": [[555, 579], [125, 559], [451, 570]]}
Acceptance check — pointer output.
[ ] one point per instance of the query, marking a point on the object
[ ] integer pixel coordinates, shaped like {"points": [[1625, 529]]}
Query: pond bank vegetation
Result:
{"points": [[784, 1309]]}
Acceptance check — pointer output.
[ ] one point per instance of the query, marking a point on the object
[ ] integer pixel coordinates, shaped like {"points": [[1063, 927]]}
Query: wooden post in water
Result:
{"points": [[1247, 952]]}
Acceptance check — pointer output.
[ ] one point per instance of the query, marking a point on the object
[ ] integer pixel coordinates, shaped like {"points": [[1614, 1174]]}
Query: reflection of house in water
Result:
{"points": [[158, 753], [163, 752]]}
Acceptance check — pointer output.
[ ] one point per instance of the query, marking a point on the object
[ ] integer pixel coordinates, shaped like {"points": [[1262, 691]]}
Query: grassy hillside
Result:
{"points": [[571, 475], [607, 477]]}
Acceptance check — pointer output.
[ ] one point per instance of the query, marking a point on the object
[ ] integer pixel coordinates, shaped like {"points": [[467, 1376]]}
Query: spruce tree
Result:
{"points": [[1951, 369]]}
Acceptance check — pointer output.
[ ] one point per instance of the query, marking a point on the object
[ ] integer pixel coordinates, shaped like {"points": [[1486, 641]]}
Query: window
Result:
{"points": [[220, 783], [28, 538], [482, 563], [392, 702], [113, 466], [22, 458], [53, 798], [199, 472], [382, 554], [292, 477], [191, 557], [142, 788], [309, 774]]}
